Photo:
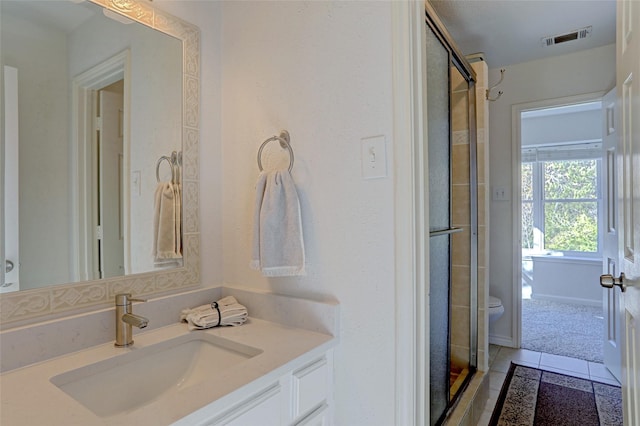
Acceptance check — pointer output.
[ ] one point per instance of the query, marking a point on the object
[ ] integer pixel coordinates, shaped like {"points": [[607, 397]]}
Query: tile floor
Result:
{"points": [[500, 359]]}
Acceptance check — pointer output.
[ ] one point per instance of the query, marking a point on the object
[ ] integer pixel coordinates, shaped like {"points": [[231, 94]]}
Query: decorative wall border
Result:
{"points": [[30, 305]]}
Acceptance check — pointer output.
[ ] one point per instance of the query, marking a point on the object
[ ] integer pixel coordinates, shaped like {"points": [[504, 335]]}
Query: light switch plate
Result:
{"points": [[500, 193], [374, 157]]}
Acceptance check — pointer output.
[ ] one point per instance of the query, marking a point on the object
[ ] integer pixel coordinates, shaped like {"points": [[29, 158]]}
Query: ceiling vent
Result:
{"points": [[570, 36]]}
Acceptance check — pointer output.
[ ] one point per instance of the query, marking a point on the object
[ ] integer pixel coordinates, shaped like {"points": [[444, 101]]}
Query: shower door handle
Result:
{"points": [[608, 281], [8, 266], [445, 232]]}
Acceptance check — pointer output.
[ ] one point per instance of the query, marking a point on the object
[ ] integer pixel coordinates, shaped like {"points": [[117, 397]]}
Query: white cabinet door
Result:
{"points": [[319, 417], [310, 387], [302, 396], [111, 184], [611, 299], [628, 84]]}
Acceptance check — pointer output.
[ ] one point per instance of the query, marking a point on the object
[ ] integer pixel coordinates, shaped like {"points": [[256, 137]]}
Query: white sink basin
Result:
{"points": [[139, 376]]}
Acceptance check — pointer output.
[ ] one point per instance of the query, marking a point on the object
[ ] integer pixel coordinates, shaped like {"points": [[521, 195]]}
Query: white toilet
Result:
{"points": [[495, 308]]}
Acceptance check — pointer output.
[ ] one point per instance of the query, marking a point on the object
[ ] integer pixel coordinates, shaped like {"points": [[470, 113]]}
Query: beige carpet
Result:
{"points": [[575, 331]]}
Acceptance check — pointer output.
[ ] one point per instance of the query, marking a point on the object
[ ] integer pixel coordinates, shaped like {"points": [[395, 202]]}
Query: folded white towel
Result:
{"points": [[278, 247], [167, 239], [226, 311]]}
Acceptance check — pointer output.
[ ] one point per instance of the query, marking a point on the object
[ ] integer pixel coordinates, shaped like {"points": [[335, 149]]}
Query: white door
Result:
{"points": [[11, 200], [111, 226], [611, 299], [628, 88]]}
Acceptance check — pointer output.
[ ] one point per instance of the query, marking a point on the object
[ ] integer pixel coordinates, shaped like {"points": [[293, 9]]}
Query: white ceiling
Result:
{"points": [[506, 31], [509, 32], [62, 15]]}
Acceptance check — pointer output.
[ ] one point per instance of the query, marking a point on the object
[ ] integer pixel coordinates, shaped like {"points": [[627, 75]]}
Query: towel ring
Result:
{"points": [[160, 160], [284, 143]]}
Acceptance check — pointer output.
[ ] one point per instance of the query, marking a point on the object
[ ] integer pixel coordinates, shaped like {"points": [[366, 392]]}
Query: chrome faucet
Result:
{"points": [[125, 319]]}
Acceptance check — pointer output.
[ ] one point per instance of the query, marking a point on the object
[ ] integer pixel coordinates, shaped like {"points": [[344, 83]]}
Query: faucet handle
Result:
{"points": [[125, 299]]}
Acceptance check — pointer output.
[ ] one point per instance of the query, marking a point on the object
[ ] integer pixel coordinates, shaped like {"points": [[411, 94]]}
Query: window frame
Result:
{"points": [[539, 201]]}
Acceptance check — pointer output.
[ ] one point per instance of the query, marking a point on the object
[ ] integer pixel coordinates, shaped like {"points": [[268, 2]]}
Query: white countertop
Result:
{"points": [[29, 398]]}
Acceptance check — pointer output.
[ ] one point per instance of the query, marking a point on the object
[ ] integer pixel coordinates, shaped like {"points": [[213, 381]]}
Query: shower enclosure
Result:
{"points": [[453, 220]]}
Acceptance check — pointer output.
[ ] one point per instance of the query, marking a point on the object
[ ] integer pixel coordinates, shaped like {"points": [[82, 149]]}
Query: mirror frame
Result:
{"points": [[23, 307]]}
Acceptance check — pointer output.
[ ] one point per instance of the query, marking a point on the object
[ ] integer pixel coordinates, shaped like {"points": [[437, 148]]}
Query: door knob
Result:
{"points": [[8, 266], [608, 281]]}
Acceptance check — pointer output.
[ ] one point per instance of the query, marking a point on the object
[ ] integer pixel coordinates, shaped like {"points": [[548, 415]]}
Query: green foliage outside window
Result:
{"points": [[570, 179], [570, 205], [571, 226]]}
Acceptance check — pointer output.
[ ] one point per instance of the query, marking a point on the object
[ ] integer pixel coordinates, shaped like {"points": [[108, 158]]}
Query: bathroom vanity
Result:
{"points": [[276, 369], [58, 362]]}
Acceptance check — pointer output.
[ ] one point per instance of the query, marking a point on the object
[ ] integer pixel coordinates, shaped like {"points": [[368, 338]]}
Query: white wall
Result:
{"points": [[561, 76], [321, 70], [572, 127]]}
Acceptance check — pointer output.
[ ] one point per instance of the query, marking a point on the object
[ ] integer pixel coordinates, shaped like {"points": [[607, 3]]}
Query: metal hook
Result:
{"points": [[175, 162], [285, 143], [160, 160], [488, 91]]}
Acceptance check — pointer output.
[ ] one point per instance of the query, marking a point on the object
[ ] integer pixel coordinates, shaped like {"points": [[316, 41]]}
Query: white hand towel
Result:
{"points": [[167, 223], [278, 247], [226, 311]]}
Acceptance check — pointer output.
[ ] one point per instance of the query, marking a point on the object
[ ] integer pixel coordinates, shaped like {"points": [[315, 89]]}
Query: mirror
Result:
{"points": [[86, 189]]}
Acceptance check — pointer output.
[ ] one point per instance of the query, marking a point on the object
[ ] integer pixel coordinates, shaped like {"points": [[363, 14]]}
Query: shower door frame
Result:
{"points": [[411, 211], [456, 59]]}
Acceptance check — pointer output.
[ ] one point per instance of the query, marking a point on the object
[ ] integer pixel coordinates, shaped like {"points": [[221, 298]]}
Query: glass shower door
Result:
{"points": [[439, 150], [452, 224]]}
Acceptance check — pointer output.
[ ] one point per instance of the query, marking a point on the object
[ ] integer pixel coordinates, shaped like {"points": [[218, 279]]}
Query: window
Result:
{"points": [[561, 201]]}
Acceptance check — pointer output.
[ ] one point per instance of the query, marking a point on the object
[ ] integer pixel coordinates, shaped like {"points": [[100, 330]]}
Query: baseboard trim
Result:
{"points": [[571, 300], [501, 341]]}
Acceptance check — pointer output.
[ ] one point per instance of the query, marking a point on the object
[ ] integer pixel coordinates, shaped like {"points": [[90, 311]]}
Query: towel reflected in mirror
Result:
{"points": [[167, 235]]}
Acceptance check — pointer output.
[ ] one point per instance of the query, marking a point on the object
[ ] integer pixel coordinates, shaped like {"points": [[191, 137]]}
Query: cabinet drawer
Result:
{"points": [[264, 409], [310, 386]]}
